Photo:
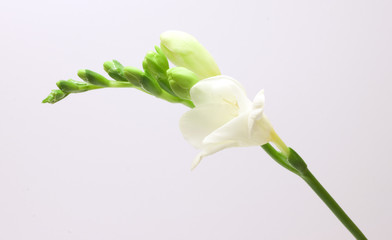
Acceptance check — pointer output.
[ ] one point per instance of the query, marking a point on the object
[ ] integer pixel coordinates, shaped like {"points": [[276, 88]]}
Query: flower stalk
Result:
{"points": [[297, 165], [308, 177]]}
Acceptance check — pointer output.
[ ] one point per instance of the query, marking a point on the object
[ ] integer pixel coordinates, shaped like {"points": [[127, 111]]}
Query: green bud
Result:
{"points": [[151, 86], [155, 65], [179, 91], [133, 75], [55, 96], [72, 86], [115, 70], [108, 65], [93, 78], [184, 50], [181, 80], [139, 78]]}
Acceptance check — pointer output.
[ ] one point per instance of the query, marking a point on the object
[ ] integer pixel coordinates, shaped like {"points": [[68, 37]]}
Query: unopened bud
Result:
{"points": [[138, 78], [55, 96], [115, 70], [133, 75], [155, 65], [93, 78], [184, 50], [72, 86], [181, 80]]}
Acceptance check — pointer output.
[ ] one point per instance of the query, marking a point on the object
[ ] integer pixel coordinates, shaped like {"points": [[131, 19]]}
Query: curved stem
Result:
{"points": [[332, 204]]}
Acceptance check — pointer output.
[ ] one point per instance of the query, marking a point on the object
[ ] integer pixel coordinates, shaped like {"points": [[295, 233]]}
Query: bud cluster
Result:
{"points": [[172, 84]]}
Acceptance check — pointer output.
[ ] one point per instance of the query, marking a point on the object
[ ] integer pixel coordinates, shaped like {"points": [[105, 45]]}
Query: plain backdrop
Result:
{"points": [[112, 164]]}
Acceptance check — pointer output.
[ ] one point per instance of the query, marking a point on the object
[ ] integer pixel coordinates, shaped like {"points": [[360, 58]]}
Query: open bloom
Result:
{"points": [[224, 117]]}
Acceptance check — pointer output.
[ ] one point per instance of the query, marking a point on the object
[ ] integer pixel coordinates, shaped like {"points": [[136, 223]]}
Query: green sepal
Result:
{"points": [[115, 70], [297, 162], [94, 78], [55, 96]]}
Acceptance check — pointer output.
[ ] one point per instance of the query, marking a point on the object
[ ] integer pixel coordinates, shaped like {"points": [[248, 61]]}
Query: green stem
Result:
{"points": [[297, 165], [173, 99], [278, 157], [118, 84], [164, 95], [332, 204]]}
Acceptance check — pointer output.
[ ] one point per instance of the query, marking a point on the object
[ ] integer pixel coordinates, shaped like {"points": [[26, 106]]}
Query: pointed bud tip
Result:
{"points": [[54, 96], [108, 65], [175, 39], [82, 74]]}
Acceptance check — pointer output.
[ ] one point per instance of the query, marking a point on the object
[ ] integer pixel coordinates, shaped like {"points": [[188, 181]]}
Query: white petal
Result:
{"points": [[237, 131], [260, 128], [196, 161], [199, 122], [220, 89], [257, 110], [261, 132], [258, 101], [209, 149], [224, 117]]}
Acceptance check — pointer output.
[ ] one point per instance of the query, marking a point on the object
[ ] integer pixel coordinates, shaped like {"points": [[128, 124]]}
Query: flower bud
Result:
{"points": [[93, 78], [55, 96], [181, 80], [138, 78], [115, 70], [134, 75], [72, 86], [155, 65], [184, 50]]}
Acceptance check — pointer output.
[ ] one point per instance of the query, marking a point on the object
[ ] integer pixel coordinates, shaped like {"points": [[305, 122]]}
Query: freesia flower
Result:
{"points": [[224, 117]]}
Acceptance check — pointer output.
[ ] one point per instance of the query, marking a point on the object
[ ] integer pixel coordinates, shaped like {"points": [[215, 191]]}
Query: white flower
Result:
{"points": [[224, 117]]}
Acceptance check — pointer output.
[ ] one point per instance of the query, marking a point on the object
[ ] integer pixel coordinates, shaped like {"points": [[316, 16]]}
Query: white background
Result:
{"points": [[112, 164]]}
